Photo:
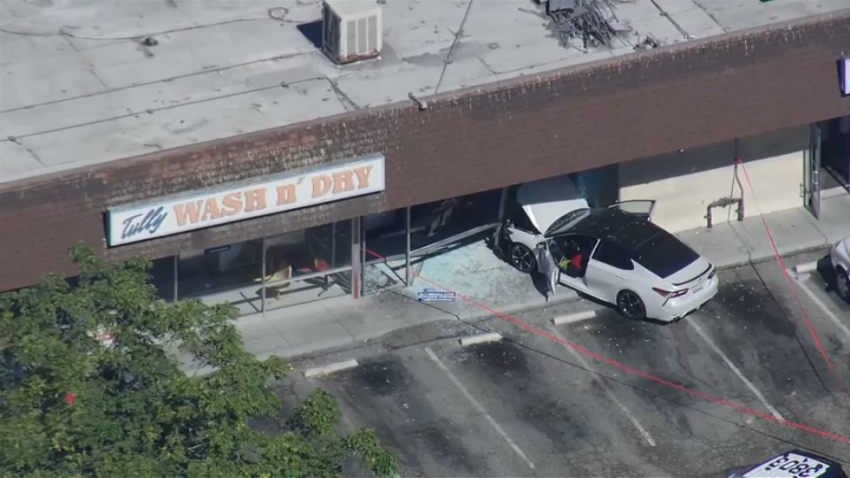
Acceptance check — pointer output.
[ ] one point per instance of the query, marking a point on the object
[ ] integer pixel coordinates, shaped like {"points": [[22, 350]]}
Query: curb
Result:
{"points": [[302, 352], [765, 257], [537, 303]]}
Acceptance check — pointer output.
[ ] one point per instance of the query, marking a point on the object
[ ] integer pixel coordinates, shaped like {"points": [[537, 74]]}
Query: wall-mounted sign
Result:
{"points": [[200, 209], [434, 295], [844, 75]]}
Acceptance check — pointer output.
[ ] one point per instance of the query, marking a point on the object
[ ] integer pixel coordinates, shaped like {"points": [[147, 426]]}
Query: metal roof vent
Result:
{"points": [[351, 30]]}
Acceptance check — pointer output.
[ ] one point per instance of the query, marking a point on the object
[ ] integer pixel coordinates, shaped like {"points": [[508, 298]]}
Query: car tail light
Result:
{"points": [[670, 294], [713, 273]]}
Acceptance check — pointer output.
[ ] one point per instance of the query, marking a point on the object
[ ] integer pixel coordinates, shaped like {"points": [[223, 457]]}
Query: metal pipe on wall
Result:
{"points": [[357, 247], [263, 276], [407, 272], [333, 245], [176, 265], [502, 204]]}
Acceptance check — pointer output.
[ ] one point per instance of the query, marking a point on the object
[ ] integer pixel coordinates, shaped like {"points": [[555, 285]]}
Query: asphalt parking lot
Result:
{"points": [[531, 405]]}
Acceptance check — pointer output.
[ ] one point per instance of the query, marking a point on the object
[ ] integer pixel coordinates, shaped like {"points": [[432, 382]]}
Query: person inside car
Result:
{"points": [[573, 261]]}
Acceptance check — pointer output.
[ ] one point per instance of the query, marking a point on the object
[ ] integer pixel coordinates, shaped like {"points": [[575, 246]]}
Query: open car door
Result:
{"points": [[547, 266], [640, 207]]}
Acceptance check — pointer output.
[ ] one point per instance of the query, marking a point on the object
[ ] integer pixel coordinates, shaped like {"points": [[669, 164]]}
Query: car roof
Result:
{"points": [[627, 231]]}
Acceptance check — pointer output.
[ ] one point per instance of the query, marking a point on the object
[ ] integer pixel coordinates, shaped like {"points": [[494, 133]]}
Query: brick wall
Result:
{"points": [[630, 107]]}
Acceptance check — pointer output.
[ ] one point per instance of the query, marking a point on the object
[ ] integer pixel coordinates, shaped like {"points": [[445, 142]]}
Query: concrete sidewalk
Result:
{"points": [[335, 323]]}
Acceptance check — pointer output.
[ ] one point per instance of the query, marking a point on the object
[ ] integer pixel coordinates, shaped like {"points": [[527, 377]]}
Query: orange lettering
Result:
{"points": [[255, 199], [321, 185], [363, 176], [211, 210], [189, 212], [286, 194], [232, 204], [343, 181]]}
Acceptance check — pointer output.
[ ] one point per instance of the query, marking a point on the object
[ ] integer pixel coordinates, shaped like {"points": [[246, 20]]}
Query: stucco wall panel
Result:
{"points": [[685, 183]]}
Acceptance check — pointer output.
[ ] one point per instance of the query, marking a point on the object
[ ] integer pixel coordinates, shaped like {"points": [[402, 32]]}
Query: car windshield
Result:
{"points": [[567, 221], [664, 255]]}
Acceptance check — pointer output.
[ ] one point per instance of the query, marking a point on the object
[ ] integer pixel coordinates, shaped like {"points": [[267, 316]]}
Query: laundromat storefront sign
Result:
{"points": [[197, 210]]}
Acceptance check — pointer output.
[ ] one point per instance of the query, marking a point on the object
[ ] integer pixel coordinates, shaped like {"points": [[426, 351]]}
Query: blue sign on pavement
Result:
{"points": [[433, 295]]}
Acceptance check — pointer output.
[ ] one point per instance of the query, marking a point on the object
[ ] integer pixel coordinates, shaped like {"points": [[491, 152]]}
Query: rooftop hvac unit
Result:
{"points": [[351, 30]]}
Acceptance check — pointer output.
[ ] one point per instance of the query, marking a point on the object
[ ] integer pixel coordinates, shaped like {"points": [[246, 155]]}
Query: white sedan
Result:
{"points": [[840, 257], [616, 254]]}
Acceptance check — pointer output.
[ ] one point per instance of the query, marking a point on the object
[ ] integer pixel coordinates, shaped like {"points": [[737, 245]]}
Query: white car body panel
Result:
{"points": [[546, 264], [701, 288], [840, 258], [545, 201], [840, 255], [548, 200], [605, 282], [522, 237]]}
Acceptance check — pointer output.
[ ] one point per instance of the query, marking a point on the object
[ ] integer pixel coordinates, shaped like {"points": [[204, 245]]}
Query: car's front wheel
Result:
{"points": [[842, 283], [522, 258], [630, 305]]}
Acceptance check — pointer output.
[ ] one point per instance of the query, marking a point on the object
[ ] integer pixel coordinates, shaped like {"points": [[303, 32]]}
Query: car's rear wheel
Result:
{"points": [[522, 258], [842, 283], [630, 305]]}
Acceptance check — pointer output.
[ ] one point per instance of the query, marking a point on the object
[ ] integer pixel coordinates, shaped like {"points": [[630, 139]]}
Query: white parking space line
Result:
{"points": [[478, 406], [773, 411], [801, 281], [611, 394]]}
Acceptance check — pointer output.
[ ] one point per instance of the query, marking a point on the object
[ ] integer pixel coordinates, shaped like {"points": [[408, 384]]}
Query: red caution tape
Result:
{"points": [[788, 279]]}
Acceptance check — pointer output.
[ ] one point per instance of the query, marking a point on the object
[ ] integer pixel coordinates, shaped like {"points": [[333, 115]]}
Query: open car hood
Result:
{"points": [[547, 200]]}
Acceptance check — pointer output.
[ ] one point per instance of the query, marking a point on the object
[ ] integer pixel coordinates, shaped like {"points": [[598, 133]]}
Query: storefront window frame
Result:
{"points": [[304, 277], [353, 268], [360, 256], [252, 303], [354, 247], [409, 254], [175, 265]]}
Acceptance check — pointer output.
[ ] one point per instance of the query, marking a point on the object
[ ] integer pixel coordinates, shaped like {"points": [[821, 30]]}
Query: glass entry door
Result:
{"points": [[835, 150], [810, 187]]}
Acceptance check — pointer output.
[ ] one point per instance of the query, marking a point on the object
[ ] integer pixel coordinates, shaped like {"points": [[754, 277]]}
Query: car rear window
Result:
{"points": [[663, 254]]}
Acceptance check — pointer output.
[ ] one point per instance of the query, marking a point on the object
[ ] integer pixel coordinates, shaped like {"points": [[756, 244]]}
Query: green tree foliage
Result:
{"points": [[73, 406]]}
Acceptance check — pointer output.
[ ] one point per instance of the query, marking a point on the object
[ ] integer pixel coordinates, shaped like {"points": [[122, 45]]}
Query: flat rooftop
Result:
{"points": [[78, 86]]}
